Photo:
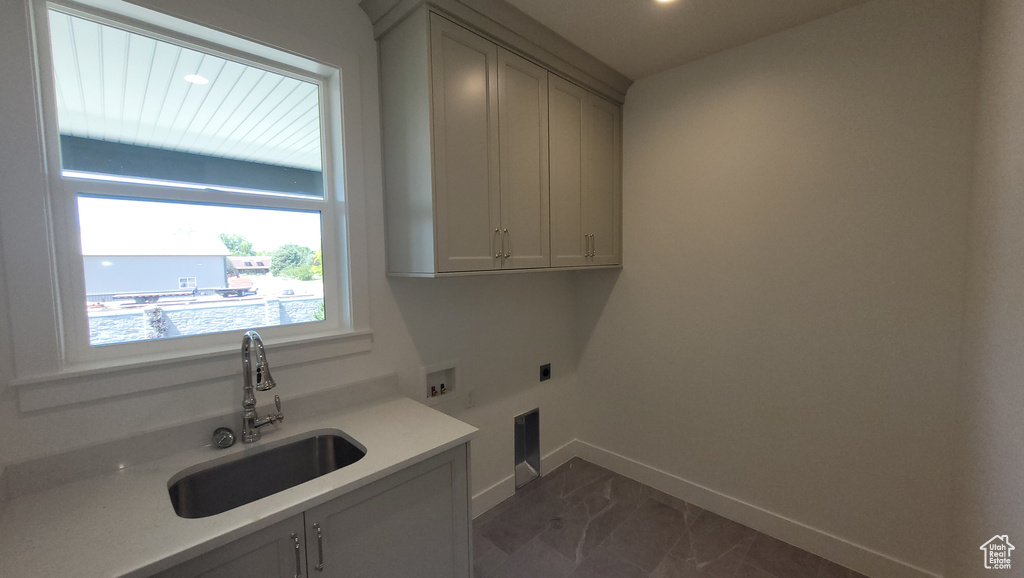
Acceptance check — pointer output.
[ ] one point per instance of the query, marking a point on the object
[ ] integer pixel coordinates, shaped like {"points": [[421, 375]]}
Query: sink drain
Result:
{"points": [[556, 524]]}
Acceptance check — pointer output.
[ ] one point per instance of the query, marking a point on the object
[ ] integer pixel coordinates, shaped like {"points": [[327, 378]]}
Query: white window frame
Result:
{"points": [[345, 283], [186, 282]]}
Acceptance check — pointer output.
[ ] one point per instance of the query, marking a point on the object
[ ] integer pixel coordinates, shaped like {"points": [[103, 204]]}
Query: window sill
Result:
{"points": [[82, 384]]}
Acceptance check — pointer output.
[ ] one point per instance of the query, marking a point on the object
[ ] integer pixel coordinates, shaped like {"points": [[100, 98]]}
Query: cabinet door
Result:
{"points": [[523, 136], [463, 69], [413, 523], [602, 182], [566, 107], [274, 552]]}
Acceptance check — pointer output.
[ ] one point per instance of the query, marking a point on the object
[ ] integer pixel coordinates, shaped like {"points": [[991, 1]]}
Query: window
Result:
{"points": [[175, 155], [56, 361]]}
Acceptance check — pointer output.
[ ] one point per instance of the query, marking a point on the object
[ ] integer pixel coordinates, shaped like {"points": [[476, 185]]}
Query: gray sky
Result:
{"points": [[116, 222]]}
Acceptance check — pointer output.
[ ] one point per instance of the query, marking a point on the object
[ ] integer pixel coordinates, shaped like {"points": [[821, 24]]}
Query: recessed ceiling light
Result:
{"points": [[664, 1], [196, 79]]}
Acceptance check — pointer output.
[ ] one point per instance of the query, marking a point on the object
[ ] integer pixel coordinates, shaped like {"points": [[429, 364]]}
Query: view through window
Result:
{"points": [[157, 269]]}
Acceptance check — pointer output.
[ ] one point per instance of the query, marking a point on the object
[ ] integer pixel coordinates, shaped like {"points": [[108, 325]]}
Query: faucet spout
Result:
{"points": [[251, 422]]}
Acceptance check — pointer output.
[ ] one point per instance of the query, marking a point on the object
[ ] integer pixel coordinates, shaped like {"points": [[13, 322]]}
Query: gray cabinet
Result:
{"points": [[523, 138], [570, 238], [415, 522], [463, 79], [412, 525], [602, 181], [272, 552], [439, 108], [468, 159], [586, 177]]}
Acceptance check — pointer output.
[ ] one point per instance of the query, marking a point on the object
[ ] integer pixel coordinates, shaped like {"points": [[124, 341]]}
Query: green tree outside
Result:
{"points": [[236, 244], [290, 256], [317, 268]]}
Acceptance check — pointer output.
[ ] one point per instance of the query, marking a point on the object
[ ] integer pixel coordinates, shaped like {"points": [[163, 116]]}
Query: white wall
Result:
{"points": [[988, 499], [786, 327], [499, 329]]}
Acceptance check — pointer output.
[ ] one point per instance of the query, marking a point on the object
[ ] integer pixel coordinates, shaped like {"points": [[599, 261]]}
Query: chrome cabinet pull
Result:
{"points": [[505, 235], [298, 556], [319, 548], [497, 245], [593, 245]]}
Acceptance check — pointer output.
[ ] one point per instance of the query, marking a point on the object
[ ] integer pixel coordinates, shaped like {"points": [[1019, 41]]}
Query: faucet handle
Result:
{"points": [[279, 416]]}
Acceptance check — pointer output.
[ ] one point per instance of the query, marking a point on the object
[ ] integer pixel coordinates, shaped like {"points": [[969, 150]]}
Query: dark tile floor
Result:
{"points": [[582, 520]]}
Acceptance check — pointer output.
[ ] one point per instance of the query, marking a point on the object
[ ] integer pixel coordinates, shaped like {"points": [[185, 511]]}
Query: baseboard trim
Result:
{"points": [[558, 456], [499, 492], [492, 496], [860, 558]]}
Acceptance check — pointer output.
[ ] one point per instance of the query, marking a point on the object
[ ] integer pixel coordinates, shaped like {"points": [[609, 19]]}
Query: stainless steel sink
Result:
{"points": [[236, 483]]}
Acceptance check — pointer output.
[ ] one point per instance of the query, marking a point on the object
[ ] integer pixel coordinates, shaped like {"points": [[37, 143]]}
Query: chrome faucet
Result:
{"points": [[251, 422]]}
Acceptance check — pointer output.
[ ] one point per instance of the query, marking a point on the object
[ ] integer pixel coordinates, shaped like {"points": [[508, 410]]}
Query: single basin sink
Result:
{"points": [[236, 483]]}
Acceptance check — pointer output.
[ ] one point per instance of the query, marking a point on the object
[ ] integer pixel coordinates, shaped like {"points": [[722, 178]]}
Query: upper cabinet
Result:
{"points": [[463, 78], [586, 176], [602, 181], [523, 166], [491, 162]]}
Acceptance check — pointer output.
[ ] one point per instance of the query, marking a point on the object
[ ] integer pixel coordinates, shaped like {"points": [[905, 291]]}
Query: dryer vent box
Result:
{"points": [[527, 432]]}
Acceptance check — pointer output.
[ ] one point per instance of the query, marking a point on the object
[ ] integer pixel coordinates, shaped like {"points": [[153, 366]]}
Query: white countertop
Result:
{"points": [[123, 524]]}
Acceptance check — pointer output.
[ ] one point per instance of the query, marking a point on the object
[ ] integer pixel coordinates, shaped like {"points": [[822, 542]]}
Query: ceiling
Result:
{"points": [[641, 37], [123, 87]]}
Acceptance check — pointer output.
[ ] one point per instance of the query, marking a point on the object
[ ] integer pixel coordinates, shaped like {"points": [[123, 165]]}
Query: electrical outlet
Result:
{"points": [[545, 372]]}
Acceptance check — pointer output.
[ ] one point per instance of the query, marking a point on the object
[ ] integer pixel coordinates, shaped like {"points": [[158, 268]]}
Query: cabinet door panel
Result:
{"points": [[566, 107], [523, 136], [602, 181], [465, 120], [407, 529], [268, 553]]}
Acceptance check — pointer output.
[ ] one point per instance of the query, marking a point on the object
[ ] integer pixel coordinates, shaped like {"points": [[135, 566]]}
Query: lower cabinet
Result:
{"points": [[412, 523], [272, 552]]}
